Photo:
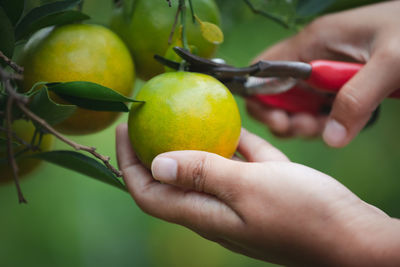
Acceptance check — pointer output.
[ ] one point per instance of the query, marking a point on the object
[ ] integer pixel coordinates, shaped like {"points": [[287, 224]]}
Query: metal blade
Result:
{"points": [[268, 86]]}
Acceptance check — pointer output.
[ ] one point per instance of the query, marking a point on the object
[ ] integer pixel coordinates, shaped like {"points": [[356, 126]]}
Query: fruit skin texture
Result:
{"points": [[79, 52], [146, 32], [183, 111], [24, 130]]}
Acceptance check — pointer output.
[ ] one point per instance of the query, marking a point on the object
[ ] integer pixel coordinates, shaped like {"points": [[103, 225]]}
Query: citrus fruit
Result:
{"points": [[79, 52], [25, 131], [147, 29], [183, 111]]}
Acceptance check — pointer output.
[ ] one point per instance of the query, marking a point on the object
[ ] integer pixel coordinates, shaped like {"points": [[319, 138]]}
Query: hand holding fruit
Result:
{"points": [[368, 35], [267, 208]]}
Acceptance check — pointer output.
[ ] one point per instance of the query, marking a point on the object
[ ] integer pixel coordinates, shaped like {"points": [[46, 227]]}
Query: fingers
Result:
{"points": [[197, 211], [286, 125], [284, 50], [357, 100], [125, 155], [277, 120], [256, 149], [315, 42], [200, 171]]}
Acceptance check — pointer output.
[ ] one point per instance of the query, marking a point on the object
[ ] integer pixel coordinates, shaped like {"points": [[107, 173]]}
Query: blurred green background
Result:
{"points": [[72, 220]]}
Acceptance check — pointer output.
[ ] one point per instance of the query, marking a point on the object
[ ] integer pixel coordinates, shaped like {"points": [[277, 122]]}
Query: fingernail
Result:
{"points": [[164, 169], [334, 133]]}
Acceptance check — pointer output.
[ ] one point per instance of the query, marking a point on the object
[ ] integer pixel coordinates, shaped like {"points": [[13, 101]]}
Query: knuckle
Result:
{"points": [[198, 173], [316, 29], [349, 104], [390, 51]]}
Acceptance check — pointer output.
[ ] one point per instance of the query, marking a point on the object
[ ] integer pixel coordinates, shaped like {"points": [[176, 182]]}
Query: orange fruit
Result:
{"points": [[183, 111], [79, 52], [25, 130], [147, 29]]}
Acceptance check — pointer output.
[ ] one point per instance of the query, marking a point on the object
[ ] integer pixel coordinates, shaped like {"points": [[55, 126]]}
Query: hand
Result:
{"points": [[267, 208], [369, 35]]}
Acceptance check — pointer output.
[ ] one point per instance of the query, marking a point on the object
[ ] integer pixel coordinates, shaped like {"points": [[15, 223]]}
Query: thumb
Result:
{"points": [[199, 171], [356, 101]]}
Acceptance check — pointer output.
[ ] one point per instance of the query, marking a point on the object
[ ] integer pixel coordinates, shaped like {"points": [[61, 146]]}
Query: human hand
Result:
{"points": [[267, 208], [369, 35]]}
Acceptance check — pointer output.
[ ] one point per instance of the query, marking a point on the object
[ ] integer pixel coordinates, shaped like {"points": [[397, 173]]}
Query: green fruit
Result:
{"points": [[183, 111], [147, 30], [79, 52]]}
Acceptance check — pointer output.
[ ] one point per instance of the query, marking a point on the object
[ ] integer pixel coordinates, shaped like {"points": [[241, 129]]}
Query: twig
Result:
{"points": [[12, 64], [169, 3], [192, 11], [268, 15], [20, 140], [10, 151], [76, 146], [171, 35], [182, 5]]}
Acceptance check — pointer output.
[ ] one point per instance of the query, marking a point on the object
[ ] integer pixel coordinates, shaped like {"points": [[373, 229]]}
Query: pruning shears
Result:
{"points": [[290, 85]]}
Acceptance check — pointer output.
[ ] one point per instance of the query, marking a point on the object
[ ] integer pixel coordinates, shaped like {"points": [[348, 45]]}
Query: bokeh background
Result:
{"points": [[72, 220]]}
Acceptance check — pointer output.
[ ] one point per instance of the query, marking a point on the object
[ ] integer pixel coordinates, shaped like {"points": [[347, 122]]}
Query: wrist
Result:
{"points": [[383, 242], [373, 239]]}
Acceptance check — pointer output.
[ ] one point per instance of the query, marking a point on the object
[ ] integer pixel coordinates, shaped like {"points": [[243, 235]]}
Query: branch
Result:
{"points": [[12, 64], [21, 102], [192, 11], [10, 151], [268, 15], [20, 140], [171, 35], [76, 146]]}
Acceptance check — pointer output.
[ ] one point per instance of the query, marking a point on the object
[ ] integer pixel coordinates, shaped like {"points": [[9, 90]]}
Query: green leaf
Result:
{"points": [[61, 18], [82, 164], [95, 104], [91, 96], [13, 9], [312, 7], [89, 90], [53, 113], [211, 32], [55, 13], [6, 35]]}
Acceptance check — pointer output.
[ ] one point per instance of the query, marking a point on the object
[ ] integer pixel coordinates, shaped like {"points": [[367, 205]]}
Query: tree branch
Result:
{"points": [[76, 146], [12, 64], [171, 35], [10, 151], [268, 15], [20, 140], [21, 102]]}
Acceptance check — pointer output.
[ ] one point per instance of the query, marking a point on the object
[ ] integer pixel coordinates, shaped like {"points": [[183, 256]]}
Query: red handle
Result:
{"points": [[328, 76], [331, 75]]}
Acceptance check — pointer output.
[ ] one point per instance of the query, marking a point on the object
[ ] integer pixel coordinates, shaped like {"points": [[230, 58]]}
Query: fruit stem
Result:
{"points": [[182, 6]]}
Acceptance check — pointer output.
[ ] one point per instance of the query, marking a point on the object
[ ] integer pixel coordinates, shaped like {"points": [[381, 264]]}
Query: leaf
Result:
{"points": [[48, 14], [82, 164], [53, 113], [91, 96], [312, 7], [6, 35], [211, 32], [61, 18], [95, 104], [13, 8]]}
